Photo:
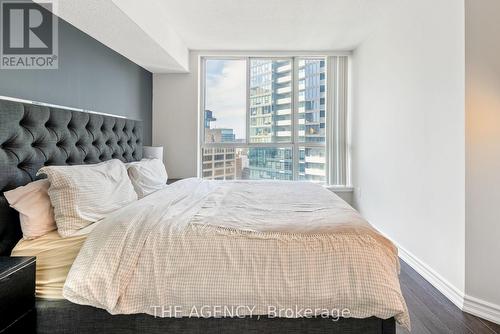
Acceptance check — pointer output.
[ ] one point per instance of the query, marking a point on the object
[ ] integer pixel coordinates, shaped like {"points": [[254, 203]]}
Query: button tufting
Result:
{"points": [[107, 138]]}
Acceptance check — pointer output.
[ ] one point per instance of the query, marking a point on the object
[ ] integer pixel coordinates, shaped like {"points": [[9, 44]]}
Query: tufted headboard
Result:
{"points": [[32, 136]]}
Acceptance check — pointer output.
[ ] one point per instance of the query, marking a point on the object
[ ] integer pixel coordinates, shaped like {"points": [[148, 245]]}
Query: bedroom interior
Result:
{"points": [[249, 166]]}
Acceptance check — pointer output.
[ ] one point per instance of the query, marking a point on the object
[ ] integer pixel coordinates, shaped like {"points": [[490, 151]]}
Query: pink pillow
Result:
{"points": [[35, 210]]}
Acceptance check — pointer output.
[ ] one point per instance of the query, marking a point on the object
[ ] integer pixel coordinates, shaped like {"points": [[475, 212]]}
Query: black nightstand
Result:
{"points": [[17, 295], [170, 181]]}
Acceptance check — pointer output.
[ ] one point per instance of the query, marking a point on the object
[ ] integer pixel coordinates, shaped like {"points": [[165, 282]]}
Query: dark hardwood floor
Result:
{"points": [[432, 313]]}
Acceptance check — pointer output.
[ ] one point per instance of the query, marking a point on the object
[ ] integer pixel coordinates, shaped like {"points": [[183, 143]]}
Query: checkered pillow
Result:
{"points": [[84, 194]]}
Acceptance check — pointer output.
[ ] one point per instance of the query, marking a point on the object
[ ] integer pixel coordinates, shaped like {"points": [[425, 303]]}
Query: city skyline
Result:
{"points": [[270, 120]]}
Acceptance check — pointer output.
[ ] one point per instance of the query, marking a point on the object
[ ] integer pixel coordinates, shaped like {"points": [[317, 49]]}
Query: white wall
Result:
{"points": [[408, 134], [175, 119], [483, 151]]}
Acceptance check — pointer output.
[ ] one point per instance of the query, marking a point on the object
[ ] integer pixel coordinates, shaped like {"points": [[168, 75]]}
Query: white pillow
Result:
{"points": [[35, 210], [84, 194], [147, 176]]}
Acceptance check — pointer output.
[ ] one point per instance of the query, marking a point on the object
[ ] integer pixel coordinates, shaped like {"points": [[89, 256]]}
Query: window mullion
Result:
{"points": [[295, 117], [247, 139], [201, 121]]}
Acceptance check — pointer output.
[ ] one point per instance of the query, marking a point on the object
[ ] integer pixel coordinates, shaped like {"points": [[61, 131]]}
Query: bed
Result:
{"points": [[194, 244]]}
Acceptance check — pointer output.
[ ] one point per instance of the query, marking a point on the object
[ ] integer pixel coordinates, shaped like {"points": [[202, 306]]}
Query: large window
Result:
{"points": [[267, 118]]}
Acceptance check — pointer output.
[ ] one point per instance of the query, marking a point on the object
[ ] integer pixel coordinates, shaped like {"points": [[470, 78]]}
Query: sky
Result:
{"points": [[225, 94]]}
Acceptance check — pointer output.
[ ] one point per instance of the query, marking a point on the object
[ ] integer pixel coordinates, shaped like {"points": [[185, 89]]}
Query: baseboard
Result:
{"points": [[439, 282], [482, 309], [466, 303]]}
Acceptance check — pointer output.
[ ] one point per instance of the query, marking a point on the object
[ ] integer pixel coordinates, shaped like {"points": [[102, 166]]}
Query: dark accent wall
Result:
{"points": [[90, 76]]}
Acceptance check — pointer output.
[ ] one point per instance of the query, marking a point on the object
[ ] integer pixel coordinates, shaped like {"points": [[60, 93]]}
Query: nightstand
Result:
{"points": [[17, 295], [170, 181]]}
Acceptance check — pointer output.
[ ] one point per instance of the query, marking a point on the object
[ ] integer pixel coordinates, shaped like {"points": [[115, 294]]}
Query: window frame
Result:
{"points": [[331, 160]]}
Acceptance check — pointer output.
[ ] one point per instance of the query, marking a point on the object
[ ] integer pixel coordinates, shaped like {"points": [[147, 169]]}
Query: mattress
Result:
{"points": [[206, 248], [54, 258]]}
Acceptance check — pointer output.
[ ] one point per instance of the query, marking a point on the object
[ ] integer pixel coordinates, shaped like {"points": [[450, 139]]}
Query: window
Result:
{"points": [[267, 118]]}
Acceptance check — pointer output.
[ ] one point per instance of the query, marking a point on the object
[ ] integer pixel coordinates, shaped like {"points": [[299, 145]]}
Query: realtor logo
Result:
{"points": [[29, 38]]}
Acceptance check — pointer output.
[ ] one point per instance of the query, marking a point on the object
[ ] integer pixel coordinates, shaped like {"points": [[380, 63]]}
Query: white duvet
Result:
{"points": [[254, 247]]}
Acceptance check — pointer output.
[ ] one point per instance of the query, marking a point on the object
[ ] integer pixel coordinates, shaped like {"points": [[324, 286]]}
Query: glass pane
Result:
{"points": [[225, 101], [270, 163], [270, 101], [312, 93], [228, 163], [312, 164]]}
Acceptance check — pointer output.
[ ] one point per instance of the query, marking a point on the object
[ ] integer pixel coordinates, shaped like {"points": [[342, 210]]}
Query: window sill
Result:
{"points": [[340, 189]]}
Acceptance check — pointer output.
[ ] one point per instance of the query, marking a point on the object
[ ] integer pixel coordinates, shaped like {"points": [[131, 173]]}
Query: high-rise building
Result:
{"points": [[218, 163], [311, 114], [209, 118], [242, 164], [271, 101], [270, 163], [219, 136]]}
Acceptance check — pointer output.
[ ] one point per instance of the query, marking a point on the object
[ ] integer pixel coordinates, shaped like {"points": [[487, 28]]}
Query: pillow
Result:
{"points": [[84, 194], [147, 176], [35, 211]]}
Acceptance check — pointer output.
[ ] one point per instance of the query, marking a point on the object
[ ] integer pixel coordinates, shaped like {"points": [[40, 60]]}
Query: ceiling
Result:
{"points": [[158, 34], [286, 25]]}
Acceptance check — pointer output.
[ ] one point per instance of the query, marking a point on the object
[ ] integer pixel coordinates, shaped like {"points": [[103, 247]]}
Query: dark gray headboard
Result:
{"points": [[32, 136]]}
